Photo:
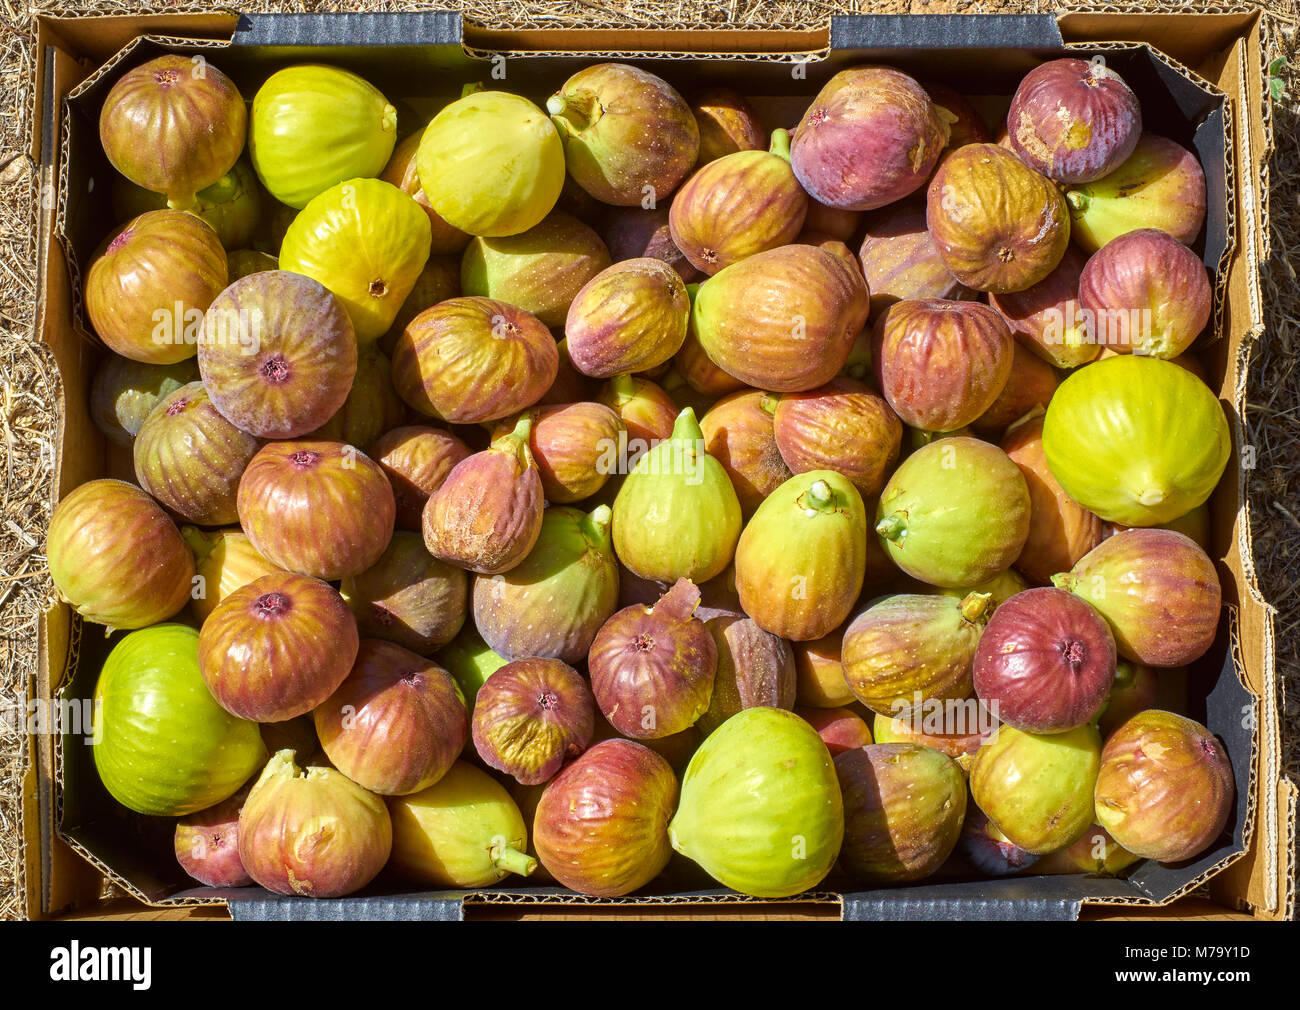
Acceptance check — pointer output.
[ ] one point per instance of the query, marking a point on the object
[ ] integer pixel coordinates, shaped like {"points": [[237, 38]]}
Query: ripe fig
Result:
{"points": [[146, 292], [755, 668], [416, 460], [396, 723], [601, 825], [575, 446], [530, 717], [645, 409], [491, 164], [487, 514], [761, 810], [900, 261], [998, 225], [956, 512], [160, 743], [282, 842], [841, 426], [224, 560], [278, 355], [352, 124], [367, 242], [738, 205], [277, 647], [116, 557], [1045, 662], [468, 360], [555, 600], [172, 130], [1160, 185], [408, 597], [1047, 317], [908, 649], [942, 363], [801, 559], [1073, 120], [207, 844], [781, 320], [538, 271], [318, 508], [904, 805], [630, 317], [698, 369], [1145, 293], [739, 432], [1158, 591], [190, 458], [841, 729], [634, 232], [1136, 440], [652, 668], [124, 392], [463, 831], [676, 515], [870, 137], [1165, 789], [727, 124], [626, 133], [1061, 531], [1097, 853], [1037, 789]]}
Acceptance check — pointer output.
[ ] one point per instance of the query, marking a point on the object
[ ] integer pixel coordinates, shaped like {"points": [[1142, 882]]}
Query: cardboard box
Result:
{"points": [[1202, 82]]}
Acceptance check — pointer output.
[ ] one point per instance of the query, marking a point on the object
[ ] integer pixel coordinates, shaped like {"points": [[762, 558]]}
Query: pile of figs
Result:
{"points": [[643, 489]]}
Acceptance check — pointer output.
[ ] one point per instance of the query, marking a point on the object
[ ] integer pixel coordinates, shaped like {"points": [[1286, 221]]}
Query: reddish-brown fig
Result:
{"points": [[396, 724], [277, 647], [487, 514], [319, 508], [531, 716], [416, 460], [1165, 789], [601, 825], [1047, 317], [739, 432], [900, 261]]}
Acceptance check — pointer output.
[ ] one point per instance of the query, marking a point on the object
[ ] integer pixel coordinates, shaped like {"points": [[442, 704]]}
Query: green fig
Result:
{"points": [[554, 601], [471, 662], [802, 558], [760, 807], [677, 515], [1038, 789], [955, 513]]}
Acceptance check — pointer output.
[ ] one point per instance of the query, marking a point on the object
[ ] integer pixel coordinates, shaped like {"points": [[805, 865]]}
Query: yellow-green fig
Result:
{"points": [[676, 515], [802, 558], [761, 809]]}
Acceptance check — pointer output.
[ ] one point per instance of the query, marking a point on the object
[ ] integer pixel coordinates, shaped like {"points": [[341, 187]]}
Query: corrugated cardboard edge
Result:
{"points": [[1271, 726]]}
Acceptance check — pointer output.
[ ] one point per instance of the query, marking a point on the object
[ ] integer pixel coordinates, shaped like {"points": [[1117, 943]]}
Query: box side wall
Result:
{"points": [[83, 446]]}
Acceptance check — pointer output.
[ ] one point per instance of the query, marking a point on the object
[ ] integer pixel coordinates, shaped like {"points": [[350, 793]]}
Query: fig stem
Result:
{"points": [[596, 527], [473, 88], [623, 387], [892, 526], [686, 428], [182, 202], [388, 121], [819, 495], [1065, 580], [768, 403], [507, 857], [223, 190], [201, 544], [780, 145], [1077, 199], [555, 105], [974, 606]]}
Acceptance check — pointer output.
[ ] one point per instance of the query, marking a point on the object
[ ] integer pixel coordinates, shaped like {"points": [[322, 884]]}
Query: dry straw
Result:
{"points": [[29, 385]]}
